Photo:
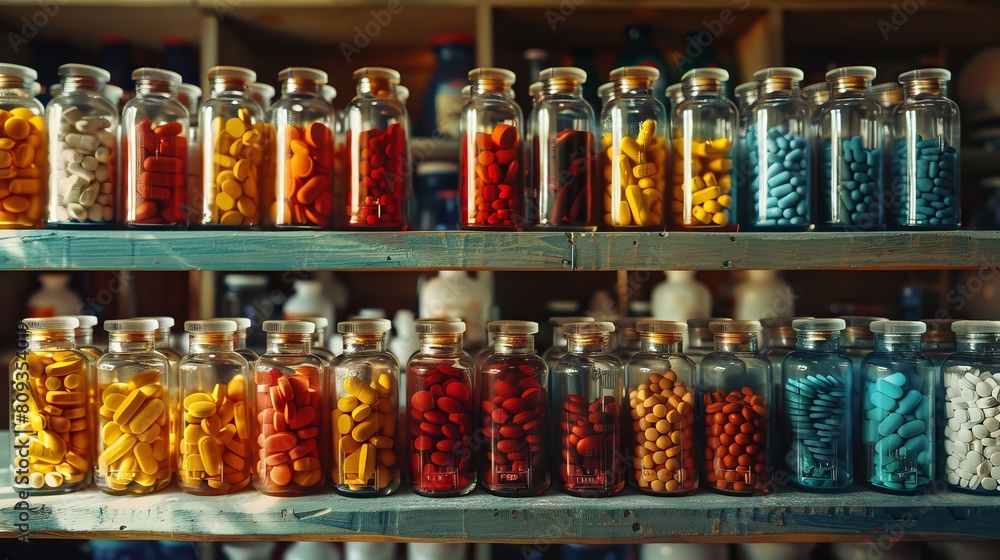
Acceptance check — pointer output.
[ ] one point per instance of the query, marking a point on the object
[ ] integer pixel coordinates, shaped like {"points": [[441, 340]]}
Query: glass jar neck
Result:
{"points": [[356, 343], [155, 87], [240, 339], [301, 86], [563, 86], [376, 87], [211, 342], [978, 343], [162, 338], [698, 87], [513, 344], [289, 343], [850, 86], [897, 342], [587, 343], [16, 83], [71, 84], [736, 342], [491, 86], [927, 87], [319, 338], [857, 338], [130, 342], [51, 338], [634, 85], [661, 343], [84, 336], [449, 343], [818, 341], [779, 87], [225, 86]]}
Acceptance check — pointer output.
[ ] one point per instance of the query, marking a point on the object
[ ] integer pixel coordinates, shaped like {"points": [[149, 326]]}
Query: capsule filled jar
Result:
{"points": [[155, 152], [634, 151], [661, 405], [82, 163], [215, 438], [704, 127], [817, 412], [779, 165], [288, 434], [378, 147], [23, 150], [562, 163], [365, 411], [303, 151], [588, 390], [736, 384], [492, 166], [233, 144], [439, 408], [512, 383], [133, 438], [51, 434], [926, 185], [897, 432]]}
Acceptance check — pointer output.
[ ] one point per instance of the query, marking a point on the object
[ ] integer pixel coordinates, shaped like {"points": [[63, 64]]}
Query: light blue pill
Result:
{"points": [[898, 379], [782, 190], [789, 201], [916, 444], [891, 424], [908, 402], [779, 179], [883, 401], [911, 429], [889, 444], [889, 389]]}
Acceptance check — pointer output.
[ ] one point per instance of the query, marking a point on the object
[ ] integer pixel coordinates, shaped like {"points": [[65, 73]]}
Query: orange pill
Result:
{"points": [[318, 135], [281, 475], [279, 442], [302, 166]]}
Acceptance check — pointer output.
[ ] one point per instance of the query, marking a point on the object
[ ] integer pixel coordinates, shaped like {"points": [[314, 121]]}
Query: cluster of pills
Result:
{"points": [[513, 421], [816, 407], [736, 440], [896, 430], [662, 412], [215, 450], [702, 183], [567, 199], [288, 419], [496, 157], [779, 185], [237, 157], [364, 428], [134, 435], [972, 434], [590, 438], [22, 168], [858, 190], [55, 428], [929, 198], [640, 164], [440, 426], [307, 189], [160, 167], [83, 169], [375, 199]]}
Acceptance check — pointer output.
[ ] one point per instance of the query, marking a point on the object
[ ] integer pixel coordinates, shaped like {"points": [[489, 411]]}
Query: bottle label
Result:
{"points": [[448, 108]]}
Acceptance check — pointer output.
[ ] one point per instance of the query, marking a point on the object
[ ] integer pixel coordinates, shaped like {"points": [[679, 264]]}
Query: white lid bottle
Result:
{"points": [[762, 295], [436, 551], [54, 298], [681, 297], [454, 294], [308, 301]]}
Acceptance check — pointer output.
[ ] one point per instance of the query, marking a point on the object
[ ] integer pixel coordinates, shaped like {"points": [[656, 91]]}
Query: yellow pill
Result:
{"points": [[53, 383], [242, 424], [196, 397], [233, 189], [246, 206], [17, 128], [194, 463], [242, 169], [224, 201], [718, 146], [237, 389], [59, 369], [366, 429], [236, 147], [119, 448], [233, 461], [223, 160], [114, 401], [726, 201], [202, 409], [38, 422], [636, 202], [110, 432], [146, 416], [119, 388], [144, 456], [721, 165], [227, 433], [347, 404], [150, 434], [160, 450], [712, 206], [631, 148], [73, 380], [224, 176], [211, 425], [235, 127], [144, 479], [148, 377], [53, 479], [129, 407], [345, 424], [699, 214], [387, 384], [60, 424], [705, 194], [193, 434], [231, 218], [721, 219], [210, 455], [624, 214]]}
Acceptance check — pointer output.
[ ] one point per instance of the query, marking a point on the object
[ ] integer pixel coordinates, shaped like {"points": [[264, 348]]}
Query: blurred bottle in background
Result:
{"points": [[443, 101], [641, 50]]}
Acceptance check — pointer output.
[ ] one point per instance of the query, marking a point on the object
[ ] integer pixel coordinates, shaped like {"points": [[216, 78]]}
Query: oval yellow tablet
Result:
{"points": [[224, 201], [235, 127], [17, 128]]}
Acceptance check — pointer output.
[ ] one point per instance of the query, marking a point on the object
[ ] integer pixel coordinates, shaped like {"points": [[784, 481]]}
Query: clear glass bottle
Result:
{"points": [[233, 145], [675, 96], [856, 342], [162, 345], [84, 337], [661, 406], [851, 153], [439, 408], [736, 381], [628, 339], [378, 148], [364, 404], [700, 340], [319, 338], [24, 162], [562, 128], [132, 396], [779, 165], [888, 95], [971, 387], [155, 152], [189, 95], [289, 426], [512, 384], [214, 451], [51, 429], [704, 137], [927, 138], [240, 338], [816, 95], [303, 151], [605, 93], [745, 96], [634, 154], [589, 391], [558, 348], [938, 342], [816, 407], [897, 432], [491, 185], [84, 151]]}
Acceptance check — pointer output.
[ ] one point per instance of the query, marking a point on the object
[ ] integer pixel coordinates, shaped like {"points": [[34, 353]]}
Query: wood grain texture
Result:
{"points": [[304, 250]]}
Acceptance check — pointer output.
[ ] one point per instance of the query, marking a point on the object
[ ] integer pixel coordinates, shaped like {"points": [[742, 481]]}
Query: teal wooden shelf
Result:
{"points": [[304, 250]]}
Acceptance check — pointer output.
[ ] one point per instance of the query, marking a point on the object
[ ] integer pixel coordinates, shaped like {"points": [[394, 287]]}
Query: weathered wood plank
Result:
{"points": [[789, 251]]}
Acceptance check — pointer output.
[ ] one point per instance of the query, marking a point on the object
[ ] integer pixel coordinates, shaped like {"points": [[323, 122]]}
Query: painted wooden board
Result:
{"points": [[303, 250], [553, 517]]}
